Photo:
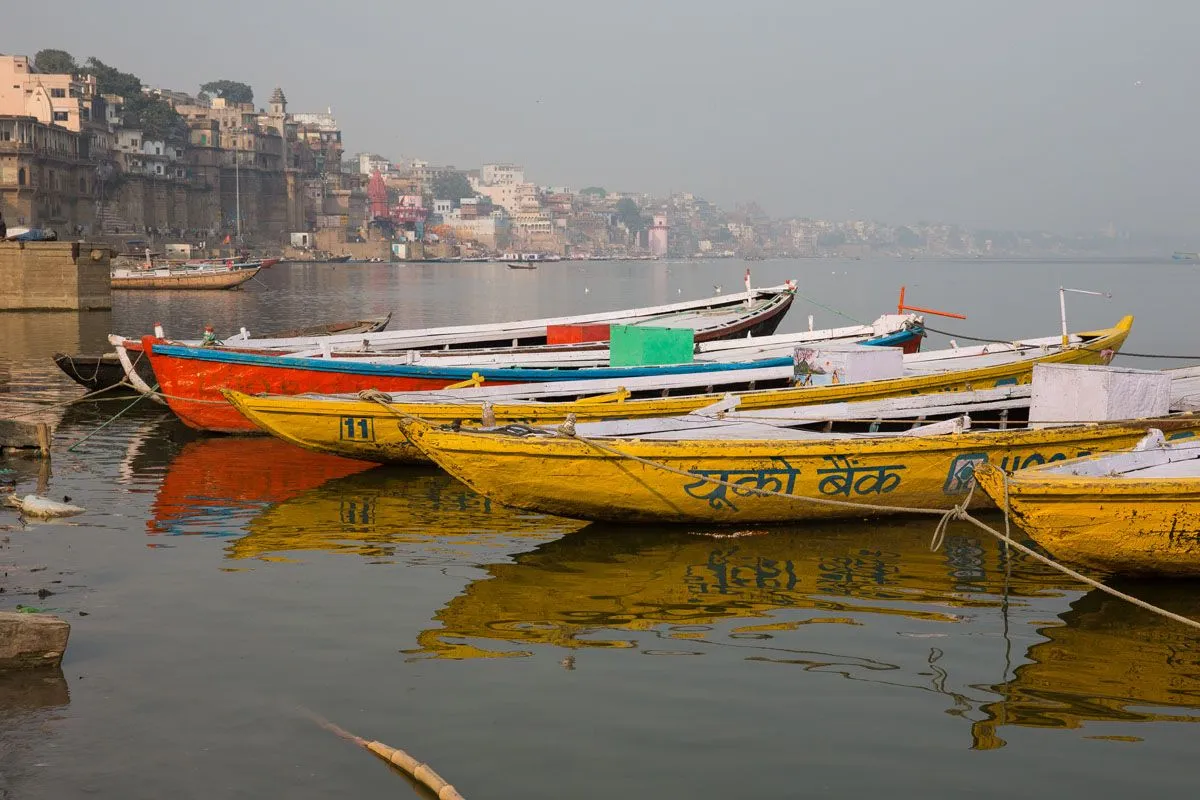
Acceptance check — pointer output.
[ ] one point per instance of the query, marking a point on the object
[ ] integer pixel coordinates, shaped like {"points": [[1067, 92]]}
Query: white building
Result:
{"points": [[368, 163], [501, 174]]}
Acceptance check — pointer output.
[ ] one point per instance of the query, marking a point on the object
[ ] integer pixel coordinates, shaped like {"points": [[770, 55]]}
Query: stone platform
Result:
{"points": [[54, 276]]}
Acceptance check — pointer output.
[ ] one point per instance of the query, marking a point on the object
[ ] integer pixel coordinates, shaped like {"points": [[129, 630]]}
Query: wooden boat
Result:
{"points": [[570, 477], [105, 371], [521, 265], [1134, 512], [890, 330], [756, 312], [319, 423], [191, 378], [202, 276]]}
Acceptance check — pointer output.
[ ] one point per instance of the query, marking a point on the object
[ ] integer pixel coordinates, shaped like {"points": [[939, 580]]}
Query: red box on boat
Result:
{"points": [[574, 334]]}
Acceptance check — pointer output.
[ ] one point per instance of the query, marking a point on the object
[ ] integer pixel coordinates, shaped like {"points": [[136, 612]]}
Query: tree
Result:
{"points": [[55, 62], [630, 215], [598, 191], [452, 186], [156, 118], [110, 80], [232, 91]]}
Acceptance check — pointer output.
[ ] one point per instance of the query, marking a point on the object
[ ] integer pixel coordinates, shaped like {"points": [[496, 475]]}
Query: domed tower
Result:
{"points": [[278, 104]]}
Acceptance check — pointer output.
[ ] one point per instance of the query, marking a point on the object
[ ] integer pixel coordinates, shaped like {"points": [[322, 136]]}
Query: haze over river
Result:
{"points": [[223, 590]]}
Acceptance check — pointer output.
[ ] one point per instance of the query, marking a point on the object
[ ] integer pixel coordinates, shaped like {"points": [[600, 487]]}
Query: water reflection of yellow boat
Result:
{"points": [[370, 513], [1109, 661], [603, 586]]}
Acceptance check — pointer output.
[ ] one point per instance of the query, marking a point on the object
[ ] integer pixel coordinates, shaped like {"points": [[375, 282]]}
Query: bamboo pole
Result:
{"points": [[418, 770]]}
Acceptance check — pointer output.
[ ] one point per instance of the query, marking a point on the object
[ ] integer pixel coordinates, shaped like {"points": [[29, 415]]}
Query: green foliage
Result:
{"points": [[598, 191], [55, 62], [232, 91], [452, 186], [630, 215], [155, 117], [110, 80]]}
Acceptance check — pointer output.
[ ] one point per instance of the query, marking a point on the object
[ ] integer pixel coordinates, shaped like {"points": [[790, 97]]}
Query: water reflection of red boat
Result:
{"points": [[212, 479]]}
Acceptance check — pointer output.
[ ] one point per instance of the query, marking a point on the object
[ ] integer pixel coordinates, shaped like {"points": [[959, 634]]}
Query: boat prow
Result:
{"points": [[1133, 512]]}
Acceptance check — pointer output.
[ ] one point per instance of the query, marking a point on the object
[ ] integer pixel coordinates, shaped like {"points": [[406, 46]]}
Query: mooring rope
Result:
{"points": [[1080, 347], [108, 421], [830, 309], [958, 512], [50, 406]]}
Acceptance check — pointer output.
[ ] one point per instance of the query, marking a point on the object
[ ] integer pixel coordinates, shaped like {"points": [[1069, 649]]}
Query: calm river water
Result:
{"points": [[223, 591]]}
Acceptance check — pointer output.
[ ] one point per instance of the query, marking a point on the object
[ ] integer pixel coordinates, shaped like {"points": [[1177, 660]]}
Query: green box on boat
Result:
{"points": [[640, 346]]}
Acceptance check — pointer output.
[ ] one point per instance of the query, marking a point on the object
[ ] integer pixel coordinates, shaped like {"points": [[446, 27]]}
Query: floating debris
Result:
{"points": [[32, 505]]}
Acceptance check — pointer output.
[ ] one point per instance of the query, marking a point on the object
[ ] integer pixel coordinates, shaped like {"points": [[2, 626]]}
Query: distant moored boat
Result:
{"points": [[1180, 255]]}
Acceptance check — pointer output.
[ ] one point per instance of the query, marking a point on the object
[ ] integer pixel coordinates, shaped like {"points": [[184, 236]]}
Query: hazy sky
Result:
{"points": [[1062, 114]]}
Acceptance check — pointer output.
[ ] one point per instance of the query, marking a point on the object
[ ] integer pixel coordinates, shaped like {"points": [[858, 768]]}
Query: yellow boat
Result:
{"points": [[1108, 661], [355, 428], [1134, 512], [720, 480]]}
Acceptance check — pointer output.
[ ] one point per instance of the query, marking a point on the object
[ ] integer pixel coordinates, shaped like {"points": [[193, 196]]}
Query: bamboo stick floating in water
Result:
{"points": [[420, 771]]}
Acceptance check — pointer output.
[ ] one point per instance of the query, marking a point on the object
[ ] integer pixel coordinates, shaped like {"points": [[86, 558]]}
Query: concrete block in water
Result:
{"points": [[29, 641]]}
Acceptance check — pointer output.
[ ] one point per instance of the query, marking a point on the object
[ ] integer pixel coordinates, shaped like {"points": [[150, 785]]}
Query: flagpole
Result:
{"points": [[237, 181]]}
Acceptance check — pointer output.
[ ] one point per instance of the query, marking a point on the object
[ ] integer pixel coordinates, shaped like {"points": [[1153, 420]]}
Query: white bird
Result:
{"points": [[1137, 83], [717, 288], [586, 290]]}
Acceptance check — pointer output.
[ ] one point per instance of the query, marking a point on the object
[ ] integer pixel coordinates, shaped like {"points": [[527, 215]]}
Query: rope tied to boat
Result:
{"points": [[959, 513]]}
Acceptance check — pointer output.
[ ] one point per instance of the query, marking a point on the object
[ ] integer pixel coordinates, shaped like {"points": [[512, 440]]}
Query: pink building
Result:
{"points": [[658, 236]]}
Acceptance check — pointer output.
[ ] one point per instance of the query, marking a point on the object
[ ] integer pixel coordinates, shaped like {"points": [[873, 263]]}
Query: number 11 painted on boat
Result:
{"points": [[359, 429]]}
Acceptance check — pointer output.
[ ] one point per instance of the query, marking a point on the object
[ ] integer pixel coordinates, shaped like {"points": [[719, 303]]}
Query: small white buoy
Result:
{"points": [[31, 505]]}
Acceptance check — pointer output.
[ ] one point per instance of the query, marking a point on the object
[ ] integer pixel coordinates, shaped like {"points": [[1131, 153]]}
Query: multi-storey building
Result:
{"points": [[45, 182]]}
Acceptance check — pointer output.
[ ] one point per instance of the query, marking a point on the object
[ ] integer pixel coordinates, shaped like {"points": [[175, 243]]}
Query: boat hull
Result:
{"points": [[318, 423], [1122, 525], [568, 477], [102, 372], [185, 279]]}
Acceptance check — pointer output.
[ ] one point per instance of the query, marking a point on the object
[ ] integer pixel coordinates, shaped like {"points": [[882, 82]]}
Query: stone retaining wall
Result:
{"points": [[54, 276]]}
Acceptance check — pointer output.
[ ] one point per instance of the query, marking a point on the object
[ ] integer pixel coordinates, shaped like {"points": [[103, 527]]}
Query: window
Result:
{"points": [[133, 143], [21, 177], [61, 116], [158, 150], [203, 139], [82, 186], [58, 92]]}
